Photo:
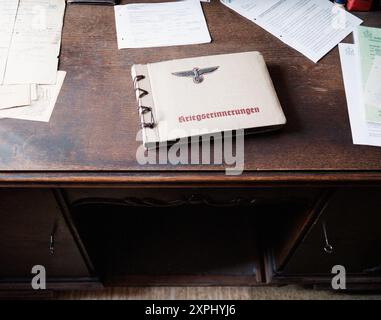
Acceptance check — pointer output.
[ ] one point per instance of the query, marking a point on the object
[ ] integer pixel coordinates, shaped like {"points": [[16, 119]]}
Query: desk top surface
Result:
{"points": [[95, 121]]}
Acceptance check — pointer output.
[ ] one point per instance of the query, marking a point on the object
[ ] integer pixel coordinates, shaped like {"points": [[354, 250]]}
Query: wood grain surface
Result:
{"points": [[213, 293], [95, 122]]}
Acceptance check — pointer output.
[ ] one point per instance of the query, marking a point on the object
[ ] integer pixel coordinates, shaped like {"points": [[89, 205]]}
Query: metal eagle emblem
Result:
{"points": [[195, 73]]}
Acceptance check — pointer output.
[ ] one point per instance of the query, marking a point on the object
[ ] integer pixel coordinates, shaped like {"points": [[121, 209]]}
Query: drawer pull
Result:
{"points": [[52, 242], [327, 247]]}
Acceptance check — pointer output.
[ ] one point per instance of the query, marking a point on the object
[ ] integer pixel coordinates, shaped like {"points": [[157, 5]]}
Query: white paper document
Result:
{"points": [[14, 95], [313, 27], [30, 47], [161, 24], [8, 11], [363, 132], [373, 86], [42, 108]]}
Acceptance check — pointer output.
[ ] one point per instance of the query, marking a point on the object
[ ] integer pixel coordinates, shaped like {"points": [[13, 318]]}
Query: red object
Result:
{"points": [[359, 5]]}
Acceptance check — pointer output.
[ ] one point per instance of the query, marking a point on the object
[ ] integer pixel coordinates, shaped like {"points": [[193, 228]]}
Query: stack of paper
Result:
{"points": [[30, 41], [361, 65], [145, 25]]}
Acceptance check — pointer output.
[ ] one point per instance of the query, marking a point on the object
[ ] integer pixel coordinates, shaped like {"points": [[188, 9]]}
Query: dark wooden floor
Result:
{"points": [[211, 293]]}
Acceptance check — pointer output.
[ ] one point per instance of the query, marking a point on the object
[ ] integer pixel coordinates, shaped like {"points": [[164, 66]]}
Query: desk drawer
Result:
{"points": [[183, 236], [179, 236], [178, 245], [33, 232], [350, 223]]}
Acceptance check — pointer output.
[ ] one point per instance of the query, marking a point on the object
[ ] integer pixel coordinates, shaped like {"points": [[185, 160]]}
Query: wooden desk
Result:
{"points": [[87, 151]]}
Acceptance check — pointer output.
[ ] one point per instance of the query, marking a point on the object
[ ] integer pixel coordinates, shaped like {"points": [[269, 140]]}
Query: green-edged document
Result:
{"points": [[368, 41]]}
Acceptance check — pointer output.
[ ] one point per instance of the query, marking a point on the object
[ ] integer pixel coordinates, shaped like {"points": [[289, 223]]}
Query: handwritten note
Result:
{"points": [[161, 24]]}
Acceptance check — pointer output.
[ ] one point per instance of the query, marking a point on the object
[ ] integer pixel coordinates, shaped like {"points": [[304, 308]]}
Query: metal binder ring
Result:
{"points": [[145, 109], [149, 125], [143, 92], [137, 79]]}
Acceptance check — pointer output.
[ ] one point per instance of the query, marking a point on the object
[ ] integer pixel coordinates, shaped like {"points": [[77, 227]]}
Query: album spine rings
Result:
{"points": [[143, 110]]}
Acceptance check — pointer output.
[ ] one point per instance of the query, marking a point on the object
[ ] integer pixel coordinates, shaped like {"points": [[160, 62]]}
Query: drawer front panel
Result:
{"points": [[33, 232], [347, 233]]}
